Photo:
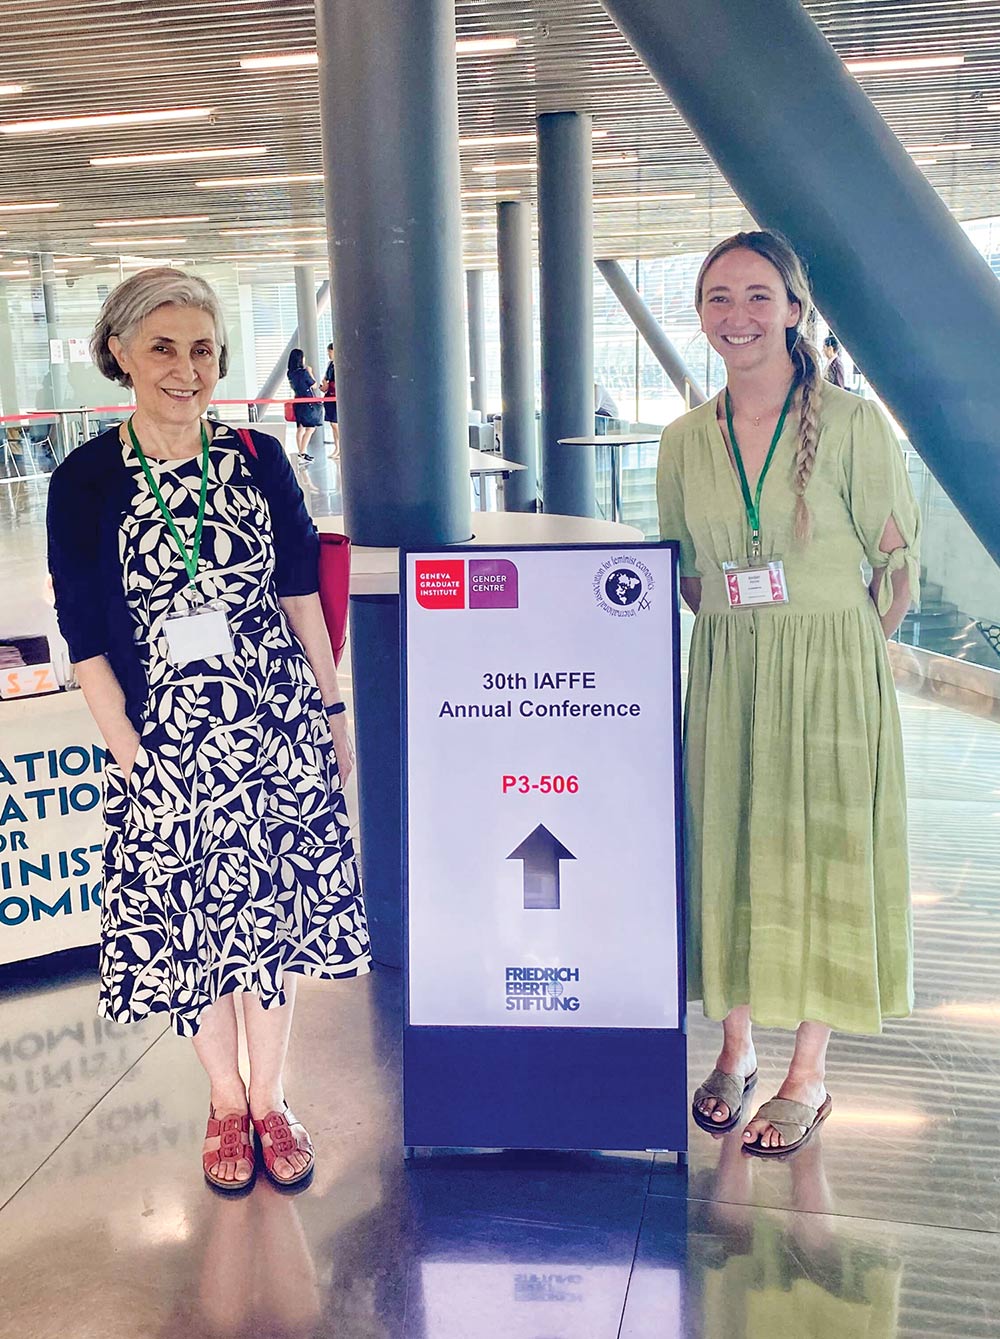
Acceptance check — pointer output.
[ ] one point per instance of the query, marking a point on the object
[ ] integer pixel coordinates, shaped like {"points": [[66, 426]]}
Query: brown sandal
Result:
{"points": [[276, 1134], [233, 1133], [794, 1121], [729, 1088]]}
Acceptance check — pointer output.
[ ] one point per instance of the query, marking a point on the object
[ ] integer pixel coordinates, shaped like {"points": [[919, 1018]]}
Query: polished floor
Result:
{"points": [[887, 1226]]}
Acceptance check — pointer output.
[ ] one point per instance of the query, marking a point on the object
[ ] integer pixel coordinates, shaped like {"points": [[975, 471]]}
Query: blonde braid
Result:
{"points": [[806, 360]]}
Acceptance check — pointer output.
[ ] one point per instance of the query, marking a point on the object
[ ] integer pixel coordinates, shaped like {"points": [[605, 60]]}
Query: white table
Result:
{"points": [[616, 440], [375, 571], [485, 465]]}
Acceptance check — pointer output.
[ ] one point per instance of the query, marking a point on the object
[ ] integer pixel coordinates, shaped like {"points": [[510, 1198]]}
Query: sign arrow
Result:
{"points": [[541, 853]]}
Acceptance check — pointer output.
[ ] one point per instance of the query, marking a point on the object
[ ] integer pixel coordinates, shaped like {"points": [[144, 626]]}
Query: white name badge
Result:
{"points": [[750, 586], [197, 634]]}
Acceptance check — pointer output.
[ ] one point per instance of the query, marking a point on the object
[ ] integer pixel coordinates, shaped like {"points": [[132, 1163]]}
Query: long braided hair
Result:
{"points": [[802, 351]]}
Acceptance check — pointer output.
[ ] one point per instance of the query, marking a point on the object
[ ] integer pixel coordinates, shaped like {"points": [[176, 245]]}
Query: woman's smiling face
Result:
{"points": [[173, 363], [745, 310]]}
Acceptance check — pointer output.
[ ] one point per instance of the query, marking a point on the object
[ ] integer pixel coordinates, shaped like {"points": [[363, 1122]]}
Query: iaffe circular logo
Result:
{"points": [[622, 586]]}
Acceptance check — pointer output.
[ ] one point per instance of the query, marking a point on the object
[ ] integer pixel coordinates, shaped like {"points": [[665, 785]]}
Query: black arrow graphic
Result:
{"points": [[541, 853]]}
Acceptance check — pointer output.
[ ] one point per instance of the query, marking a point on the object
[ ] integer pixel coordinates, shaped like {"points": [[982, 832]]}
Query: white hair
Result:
{"points": [[128, 305]]}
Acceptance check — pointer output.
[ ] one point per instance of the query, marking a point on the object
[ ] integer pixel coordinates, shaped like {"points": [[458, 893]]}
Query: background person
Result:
{"points": [[185, 575], [797, 869], [308, 417], [328, 386], [834, 364]]}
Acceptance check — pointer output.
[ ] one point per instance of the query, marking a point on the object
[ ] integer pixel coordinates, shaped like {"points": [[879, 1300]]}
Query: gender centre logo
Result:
{"points": [[442, 584], [622, 586]]}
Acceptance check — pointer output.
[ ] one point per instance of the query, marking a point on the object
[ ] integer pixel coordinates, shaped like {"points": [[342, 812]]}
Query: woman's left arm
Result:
{"points": [[894, 615], [305, 615]]}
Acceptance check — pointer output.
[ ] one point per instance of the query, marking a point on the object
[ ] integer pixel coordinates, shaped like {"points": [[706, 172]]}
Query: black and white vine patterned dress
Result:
{"points": [[228, 858]]}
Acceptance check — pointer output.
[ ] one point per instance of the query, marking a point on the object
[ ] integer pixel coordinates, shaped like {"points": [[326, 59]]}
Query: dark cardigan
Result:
{"points": [[89, 495]]}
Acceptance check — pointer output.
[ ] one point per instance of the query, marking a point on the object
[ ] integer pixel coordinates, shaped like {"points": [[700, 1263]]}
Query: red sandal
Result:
{"points": [[280, 1134], [233, 1133]]}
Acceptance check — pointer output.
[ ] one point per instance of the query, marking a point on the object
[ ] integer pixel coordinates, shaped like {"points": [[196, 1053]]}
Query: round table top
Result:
{"points": [[375, 571], [612, 439]]}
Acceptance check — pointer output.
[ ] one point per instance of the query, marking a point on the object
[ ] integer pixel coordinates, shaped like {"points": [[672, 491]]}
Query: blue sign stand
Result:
{"points": [[545, 1087]]}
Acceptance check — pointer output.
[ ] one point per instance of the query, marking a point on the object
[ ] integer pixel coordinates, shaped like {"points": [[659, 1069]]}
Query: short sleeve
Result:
{"points": [[877, 488], [296, 543], [670, 501], [73, 532]]}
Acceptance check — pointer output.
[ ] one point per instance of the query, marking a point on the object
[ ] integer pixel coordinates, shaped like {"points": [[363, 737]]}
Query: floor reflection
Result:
{"points": [[801, 1273], [256, 1274]]}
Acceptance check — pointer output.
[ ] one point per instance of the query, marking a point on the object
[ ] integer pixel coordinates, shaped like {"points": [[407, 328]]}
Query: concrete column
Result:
{"points": [[517, 355], [308, 317], [663, 349], [892, 271], [395, 230], [566, 261], [54, 384], [477, 338], [9, 403]]}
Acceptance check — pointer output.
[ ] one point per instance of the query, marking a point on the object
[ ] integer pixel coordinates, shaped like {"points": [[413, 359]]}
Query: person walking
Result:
{"points": [[185, 571], [834, 363], [329, 388], [778, 490], [308, 417]]}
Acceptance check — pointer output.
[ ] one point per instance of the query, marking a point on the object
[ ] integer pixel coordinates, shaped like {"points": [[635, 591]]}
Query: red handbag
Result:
{"points": [[334, 574], [335, 588], [289, 411]]}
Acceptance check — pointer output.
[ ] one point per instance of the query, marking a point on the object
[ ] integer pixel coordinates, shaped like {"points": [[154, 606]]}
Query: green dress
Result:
{"points": [[798, 899]]}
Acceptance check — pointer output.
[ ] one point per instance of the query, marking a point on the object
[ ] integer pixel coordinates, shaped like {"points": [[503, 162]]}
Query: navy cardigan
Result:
{"points": [[90, 493]]}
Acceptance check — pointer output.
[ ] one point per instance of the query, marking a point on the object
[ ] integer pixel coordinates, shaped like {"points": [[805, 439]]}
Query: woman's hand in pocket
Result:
{"points": [[342, 746], [125, 755]]}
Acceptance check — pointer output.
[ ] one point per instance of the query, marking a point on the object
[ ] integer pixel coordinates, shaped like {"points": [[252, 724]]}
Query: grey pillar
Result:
{"points": [[54, 383], [663, 349], [8, 379], [307, 315], [517, 354], [566, 259], [893, 272], [477, 338], [395, 229], [278, 372]]}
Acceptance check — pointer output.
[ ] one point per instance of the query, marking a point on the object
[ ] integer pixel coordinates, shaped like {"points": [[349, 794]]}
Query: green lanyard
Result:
{"points": [[190, 560], [753, 504]]}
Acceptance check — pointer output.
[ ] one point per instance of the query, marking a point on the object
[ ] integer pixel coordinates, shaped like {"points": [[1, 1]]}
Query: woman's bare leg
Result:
{"points": [[217, 1047], [267, 1032], [804, 1082], [736, 1057]]}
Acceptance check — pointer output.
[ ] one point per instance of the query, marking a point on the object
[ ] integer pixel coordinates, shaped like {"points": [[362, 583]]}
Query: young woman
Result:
{"points": [[308, 417], [185, 569], [779, 490]]}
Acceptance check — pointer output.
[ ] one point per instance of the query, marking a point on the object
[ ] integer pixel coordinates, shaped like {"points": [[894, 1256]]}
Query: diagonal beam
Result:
{"points": [[892, 270], [660, 346]]}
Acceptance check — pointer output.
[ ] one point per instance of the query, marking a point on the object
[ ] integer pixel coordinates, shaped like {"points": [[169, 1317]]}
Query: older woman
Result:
{"points": [[185, 572]]}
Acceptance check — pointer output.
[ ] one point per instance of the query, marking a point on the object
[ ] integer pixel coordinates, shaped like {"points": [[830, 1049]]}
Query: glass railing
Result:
{"points": [[959, 611]]}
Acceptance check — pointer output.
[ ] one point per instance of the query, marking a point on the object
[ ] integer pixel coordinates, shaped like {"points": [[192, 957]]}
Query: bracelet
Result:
{"points": [[335, 708]]}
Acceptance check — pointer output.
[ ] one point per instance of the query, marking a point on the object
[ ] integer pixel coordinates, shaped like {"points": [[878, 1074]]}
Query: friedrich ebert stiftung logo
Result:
{"points": [[622, 586]]}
